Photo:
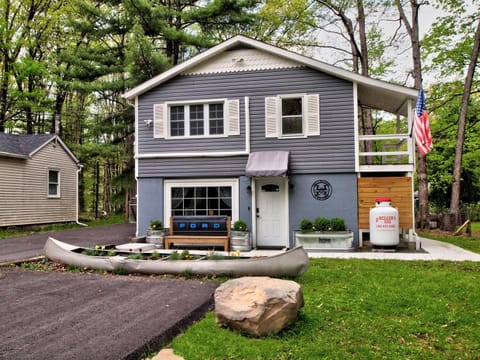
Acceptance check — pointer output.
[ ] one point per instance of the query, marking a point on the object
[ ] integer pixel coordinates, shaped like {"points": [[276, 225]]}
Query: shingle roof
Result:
{"points": [[22, 145]]}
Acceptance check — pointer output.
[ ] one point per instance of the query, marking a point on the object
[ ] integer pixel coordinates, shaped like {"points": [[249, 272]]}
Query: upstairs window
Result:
{"points": [[197, 119], [292, 116], [296, 115], [53, 183]]}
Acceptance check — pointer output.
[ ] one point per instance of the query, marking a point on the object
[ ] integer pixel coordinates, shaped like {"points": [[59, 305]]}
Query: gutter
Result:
{"points": [[77, 210]]}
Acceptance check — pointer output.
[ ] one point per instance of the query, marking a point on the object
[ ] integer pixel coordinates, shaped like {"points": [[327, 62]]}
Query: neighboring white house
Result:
{"points": [[38, 180]]}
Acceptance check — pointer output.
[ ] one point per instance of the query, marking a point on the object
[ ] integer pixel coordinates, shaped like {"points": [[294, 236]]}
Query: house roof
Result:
{"points": [[25, 146], [372, 93]]}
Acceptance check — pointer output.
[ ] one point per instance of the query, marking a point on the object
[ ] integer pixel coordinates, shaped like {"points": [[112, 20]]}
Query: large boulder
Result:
{"points": [[258, 305]]}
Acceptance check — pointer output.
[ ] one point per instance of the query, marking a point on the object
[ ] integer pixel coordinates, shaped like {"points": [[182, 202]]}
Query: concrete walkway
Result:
{"points": [[432, 250]]}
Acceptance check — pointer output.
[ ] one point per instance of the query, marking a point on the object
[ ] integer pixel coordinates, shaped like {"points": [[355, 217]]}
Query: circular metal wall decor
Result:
{"points": [[321, 190]]}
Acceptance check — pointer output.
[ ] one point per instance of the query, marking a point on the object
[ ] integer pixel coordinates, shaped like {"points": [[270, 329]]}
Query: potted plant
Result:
{"points": [[324, 233], [155, 233], [240, 236]]}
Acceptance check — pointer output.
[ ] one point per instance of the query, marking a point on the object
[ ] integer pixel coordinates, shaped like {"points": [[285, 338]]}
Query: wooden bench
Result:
{"points": [[199, 230]]}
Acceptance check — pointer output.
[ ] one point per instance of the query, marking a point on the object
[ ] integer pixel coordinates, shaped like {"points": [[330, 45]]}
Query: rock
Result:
{"points": [[258, 305]]}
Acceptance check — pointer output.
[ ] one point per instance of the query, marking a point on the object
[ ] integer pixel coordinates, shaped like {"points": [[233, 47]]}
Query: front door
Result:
{"points": [[271, 211]]}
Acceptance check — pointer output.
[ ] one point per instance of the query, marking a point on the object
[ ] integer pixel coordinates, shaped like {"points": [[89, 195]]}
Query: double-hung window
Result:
{"points": [[294, 115], [53, 183], [197, 119]]}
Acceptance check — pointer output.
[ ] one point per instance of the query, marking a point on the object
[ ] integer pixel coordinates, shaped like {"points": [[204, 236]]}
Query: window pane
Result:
{"points": [[196, 119], [177, 121], [215, 115], [53, 176], [292, 125], [212, 192], [292, 106], [200, 192], [52, 189]]}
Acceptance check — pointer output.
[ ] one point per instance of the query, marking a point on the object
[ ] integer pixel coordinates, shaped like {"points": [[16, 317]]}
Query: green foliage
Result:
{"points": [[136, 256], [338, 224], [156, 225], [322, 224], [240, 225], [363, 310], [306, 225]]}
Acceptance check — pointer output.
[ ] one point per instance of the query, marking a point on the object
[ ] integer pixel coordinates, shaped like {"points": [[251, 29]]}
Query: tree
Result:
{"points": [[457, 52], [413, 32]]}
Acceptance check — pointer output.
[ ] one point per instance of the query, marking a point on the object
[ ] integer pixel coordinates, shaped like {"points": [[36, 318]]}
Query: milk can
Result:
{"points": [[384, 223]]}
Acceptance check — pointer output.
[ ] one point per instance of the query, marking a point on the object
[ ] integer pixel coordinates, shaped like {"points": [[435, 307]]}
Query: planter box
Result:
{"points": [[328, 240], [240, 240], [156, 237]]}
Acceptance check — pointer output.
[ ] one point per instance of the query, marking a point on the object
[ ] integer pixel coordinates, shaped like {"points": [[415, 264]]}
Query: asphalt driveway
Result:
{"points": [[60, 315], [28, 246]]}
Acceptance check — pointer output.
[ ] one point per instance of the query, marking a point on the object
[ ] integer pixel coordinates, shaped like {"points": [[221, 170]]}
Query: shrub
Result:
{"points": [[306, 225], [240, 225], [322, 224], [156, 225], [338, 224]]}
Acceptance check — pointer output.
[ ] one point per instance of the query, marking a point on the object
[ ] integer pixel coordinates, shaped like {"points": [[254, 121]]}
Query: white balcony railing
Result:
{"points": [[392, 153]]}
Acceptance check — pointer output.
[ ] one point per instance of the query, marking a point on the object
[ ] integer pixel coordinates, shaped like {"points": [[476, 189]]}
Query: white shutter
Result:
{"points": [[271, 117], [313, 114], [159, 120], [233, 117]]}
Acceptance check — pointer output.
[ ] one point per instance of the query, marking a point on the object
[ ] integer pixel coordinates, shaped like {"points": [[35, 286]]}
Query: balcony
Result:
{"points": [[391, 153]]}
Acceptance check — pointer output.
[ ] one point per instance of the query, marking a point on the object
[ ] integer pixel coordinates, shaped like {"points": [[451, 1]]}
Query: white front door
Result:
{"points": [[271, 202]]}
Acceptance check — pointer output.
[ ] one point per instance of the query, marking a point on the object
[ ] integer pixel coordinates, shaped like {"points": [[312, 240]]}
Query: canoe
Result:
{"points": [[291, 263]]}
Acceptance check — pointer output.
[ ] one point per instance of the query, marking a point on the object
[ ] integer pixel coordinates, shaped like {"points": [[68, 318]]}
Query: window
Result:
{"points": [[53, 183], [196, 119], [293, 115], [201, 197]]}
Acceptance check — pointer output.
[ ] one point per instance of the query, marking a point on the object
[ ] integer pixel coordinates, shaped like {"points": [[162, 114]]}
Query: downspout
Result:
{"points": [[77, 210]]}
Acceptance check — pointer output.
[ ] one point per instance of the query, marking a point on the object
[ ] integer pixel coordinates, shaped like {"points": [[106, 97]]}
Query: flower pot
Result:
{"points": [[325, 240], [156, 237], [240, 240]]}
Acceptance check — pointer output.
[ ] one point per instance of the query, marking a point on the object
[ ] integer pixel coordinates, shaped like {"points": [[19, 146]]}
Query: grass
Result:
{"points": [[115, 219], [363, 309]]}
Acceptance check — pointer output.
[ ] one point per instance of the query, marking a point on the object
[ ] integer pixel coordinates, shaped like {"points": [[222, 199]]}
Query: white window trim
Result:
{"points": [[168, 184], [310, 119], [57, 195], [206, 120], [303, 96]]}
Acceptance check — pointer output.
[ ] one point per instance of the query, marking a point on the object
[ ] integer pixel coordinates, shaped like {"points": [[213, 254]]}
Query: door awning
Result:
{"points": [[267, 163]]}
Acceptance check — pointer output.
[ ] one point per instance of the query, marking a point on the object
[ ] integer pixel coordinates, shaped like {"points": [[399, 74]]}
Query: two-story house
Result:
{"points": [[269, 136]]}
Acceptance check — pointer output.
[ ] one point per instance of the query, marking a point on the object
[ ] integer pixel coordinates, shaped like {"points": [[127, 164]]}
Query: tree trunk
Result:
{"points": [[412, 30], [462, 121]]}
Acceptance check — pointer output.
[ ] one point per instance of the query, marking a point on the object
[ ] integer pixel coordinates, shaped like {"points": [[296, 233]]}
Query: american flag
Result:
{"points": [[423, 134]]}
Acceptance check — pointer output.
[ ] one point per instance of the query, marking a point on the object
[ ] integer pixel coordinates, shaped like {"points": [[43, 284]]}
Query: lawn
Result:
{"points": [[363, 309], [114, 219]]}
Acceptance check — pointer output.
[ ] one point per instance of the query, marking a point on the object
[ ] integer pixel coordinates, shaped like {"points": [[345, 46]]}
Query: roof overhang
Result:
{"points": [[372, 93], [267, 163]]}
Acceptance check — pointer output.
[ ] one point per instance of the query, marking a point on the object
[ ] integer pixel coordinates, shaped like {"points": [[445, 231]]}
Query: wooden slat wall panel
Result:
{"points": [[399, 189]]}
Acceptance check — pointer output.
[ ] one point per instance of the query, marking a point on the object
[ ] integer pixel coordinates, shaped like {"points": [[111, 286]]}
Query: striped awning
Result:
{"points": [[267, 163]]}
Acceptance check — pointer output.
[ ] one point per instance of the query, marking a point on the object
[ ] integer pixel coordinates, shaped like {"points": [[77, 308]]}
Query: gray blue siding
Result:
{"points": [[331, 152], [342, 203]]}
